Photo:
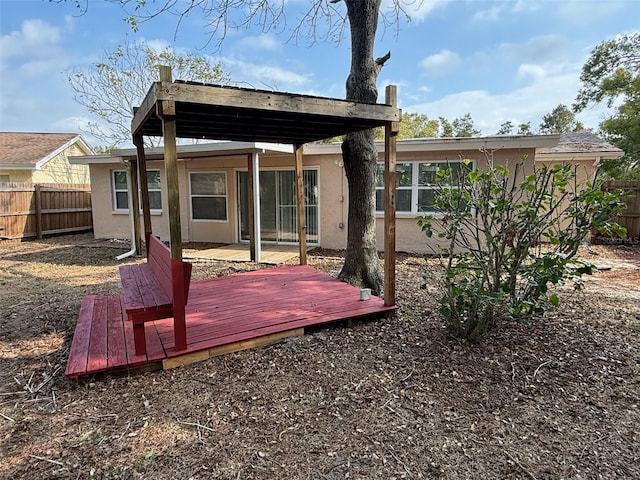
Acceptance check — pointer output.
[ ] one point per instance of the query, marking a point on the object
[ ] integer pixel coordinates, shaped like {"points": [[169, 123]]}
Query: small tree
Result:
{"points": [[465, 127], [119, 81], [610, 75], [560, 120], [505, 128], [525, 129], [493, 226]]}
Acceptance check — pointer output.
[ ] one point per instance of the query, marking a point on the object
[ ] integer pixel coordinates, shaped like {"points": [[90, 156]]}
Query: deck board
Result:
{"points": [[116, 346], [97, 358], [223, 314]]}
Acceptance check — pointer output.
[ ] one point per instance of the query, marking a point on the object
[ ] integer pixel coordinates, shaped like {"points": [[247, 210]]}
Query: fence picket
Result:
{"points": [[34, 210]]}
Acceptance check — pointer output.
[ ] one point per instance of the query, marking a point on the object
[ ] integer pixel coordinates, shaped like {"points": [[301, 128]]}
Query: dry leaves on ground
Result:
{"points": [[393, 398]]}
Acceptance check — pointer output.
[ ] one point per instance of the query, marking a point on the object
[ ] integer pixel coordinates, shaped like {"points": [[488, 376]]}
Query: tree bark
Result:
{"points": [[361, 265]]}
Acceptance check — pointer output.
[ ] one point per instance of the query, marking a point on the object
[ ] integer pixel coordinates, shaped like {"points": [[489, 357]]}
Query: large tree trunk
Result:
{"points": [[361, 265]]}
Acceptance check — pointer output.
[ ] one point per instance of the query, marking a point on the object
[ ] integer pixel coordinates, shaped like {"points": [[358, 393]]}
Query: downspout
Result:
{"points": [[131, 252]]}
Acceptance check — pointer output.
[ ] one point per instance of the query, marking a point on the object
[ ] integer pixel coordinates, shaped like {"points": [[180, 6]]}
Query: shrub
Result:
{"points": [[507, 235]]}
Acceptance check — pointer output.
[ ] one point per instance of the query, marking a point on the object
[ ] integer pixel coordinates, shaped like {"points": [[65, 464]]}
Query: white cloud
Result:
{"points": [[579, 12], [35, 38], [528, 70], [418, 10], [263, 76], [441, 63], [528, 103], [157, 45], [492, 14], [535, 50], [264, 41], [499, 10]]}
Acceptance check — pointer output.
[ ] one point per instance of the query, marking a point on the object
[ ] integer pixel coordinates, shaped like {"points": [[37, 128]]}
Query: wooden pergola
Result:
{"points": [[178, 109]]}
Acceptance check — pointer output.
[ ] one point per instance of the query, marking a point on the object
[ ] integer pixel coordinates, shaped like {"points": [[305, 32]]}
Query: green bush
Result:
{"points": [[506, 235]]}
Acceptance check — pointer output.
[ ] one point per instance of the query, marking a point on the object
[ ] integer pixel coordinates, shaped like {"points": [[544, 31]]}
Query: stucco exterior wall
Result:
{"points": [[333, 197], [111, 223]]}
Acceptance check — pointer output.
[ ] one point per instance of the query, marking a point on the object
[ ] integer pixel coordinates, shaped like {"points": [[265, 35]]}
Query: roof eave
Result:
{"points": [[13, 166]]}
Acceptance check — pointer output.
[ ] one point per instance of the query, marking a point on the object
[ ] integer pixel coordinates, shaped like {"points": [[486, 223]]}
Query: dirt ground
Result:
{"points": [[556, 398]]}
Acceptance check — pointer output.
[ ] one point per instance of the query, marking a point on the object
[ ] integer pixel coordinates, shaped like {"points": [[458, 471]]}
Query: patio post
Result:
{"points": [[390, 134], [253, 187], [144, 189], [134, 208], [302, 229], [166, 110]]}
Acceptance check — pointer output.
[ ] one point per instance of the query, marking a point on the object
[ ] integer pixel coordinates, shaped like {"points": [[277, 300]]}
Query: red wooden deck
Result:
{"points": [[223, 315]]}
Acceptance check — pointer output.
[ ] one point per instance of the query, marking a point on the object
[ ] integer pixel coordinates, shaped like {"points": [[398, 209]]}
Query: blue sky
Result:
{"points": [[498, 60]]}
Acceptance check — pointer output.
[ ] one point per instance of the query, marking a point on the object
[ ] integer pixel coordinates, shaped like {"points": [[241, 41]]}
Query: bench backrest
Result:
{"points": [[159, 260]]}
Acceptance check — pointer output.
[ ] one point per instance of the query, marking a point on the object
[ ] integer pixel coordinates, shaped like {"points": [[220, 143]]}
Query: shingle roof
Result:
{"points": [[582, 142], [29, 148]]}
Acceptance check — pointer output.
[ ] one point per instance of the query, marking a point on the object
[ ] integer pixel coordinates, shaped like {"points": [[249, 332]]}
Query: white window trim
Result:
{"points": [[226, 197], [415, 188], [114, 205]]}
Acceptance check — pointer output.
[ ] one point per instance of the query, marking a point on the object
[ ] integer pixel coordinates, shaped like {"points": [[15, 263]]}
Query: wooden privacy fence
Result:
{"points": [[630, 216], [33, 210]]}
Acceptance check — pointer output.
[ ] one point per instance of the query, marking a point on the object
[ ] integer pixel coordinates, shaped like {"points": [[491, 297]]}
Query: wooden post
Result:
{"points": [[37, 200], [252, 238], [302, 229], [134, 210], [166, 111], [253, 188], [144, 189], [390, 134]]}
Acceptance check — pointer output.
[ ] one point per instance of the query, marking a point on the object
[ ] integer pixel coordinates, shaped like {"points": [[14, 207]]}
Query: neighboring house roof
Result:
{"points": [[30, 151], [580, 145]]}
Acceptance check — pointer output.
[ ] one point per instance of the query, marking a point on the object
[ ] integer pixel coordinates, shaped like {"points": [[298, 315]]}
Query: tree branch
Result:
{"points": [[380, 61]]}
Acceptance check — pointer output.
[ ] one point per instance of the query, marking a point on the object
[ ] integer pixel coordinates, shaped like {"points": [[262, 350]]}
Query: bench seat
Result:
{"points": [[147, 288]]}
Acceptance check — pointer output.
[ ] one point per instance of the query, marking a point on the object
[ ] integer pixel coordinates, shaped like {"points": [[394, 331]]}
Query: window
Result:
{"points": [[416, 185], [208, 196], [4, 178], [121, 186]]}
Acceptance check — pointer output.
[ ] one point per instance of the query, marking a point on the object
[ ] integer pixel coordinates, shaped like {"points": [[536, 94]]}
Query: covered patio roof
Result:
{"points": [[230, 113]]}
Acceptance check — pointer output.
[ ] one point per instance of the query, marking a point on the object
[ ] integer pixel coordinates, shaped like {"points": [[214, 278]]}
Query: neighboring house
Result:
{"points": [[214, 198], [585, 150], [42, 158]]}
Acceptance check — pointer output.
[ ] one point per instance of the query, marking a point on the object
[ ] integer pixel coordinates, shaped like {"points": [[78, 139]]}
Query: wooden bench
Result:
{"points": [[147, 289]]}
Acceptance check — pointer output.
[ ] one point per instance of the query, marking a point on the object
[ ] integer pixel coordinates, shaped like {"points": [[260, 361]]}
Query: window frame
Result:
{"points": [[415, 186], [114, 198], [225, 196]]}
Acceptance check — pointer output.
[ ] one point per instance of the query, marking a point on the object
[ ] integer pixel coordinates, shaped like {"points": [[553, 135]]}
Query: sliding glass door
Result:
{"points": [[278, 221]]}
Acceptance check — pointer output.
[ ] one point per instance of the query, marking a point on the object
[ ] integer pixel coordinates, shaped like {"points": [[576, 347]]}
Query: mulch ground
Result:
{"points": [[557, 397]]}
